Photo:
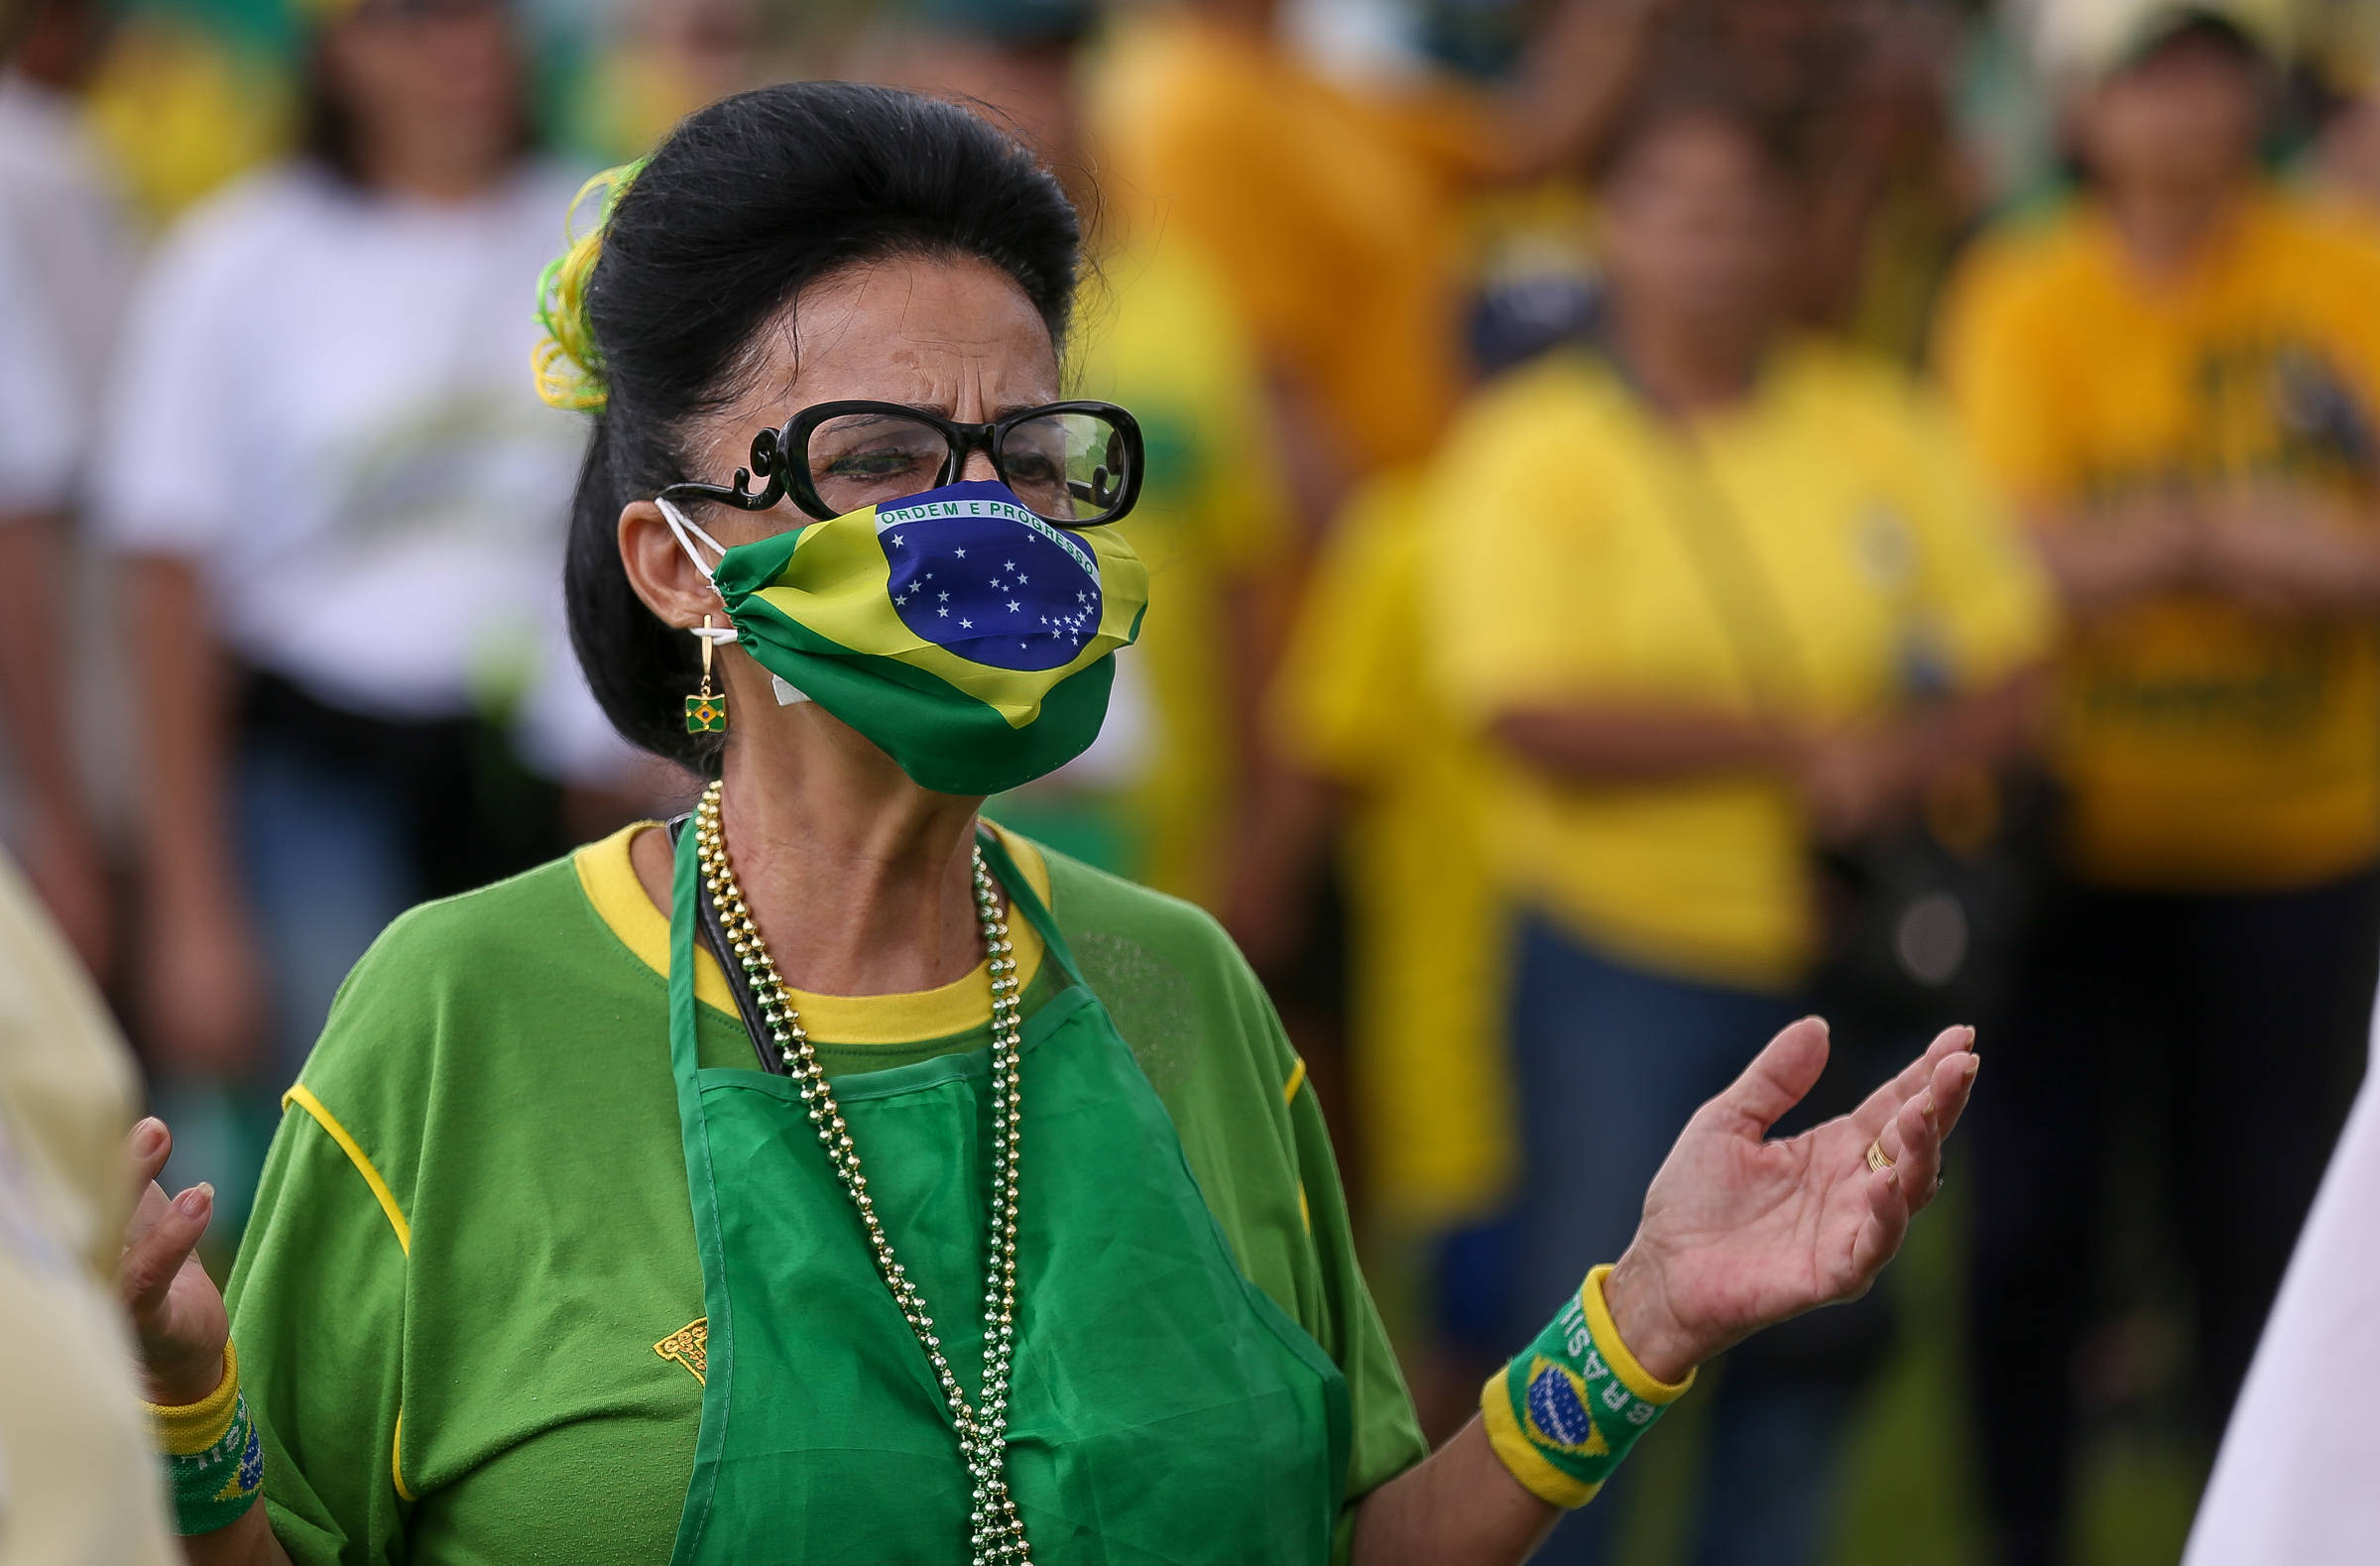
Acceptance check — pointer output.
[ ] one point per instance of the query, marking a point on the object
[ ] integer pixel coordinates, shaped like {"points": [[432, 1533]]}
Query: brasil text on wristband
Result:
{"points": [[1567, 1409]]}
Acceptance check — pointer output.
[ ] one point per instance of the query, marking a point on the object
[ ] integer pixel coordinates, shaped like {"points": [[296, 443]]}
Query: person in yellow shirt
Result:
{"points": [[2178, 376], [1160, 796], [1172, 776], [1334, 216], [1355, 704], [1712, 593], [1378, 764]]}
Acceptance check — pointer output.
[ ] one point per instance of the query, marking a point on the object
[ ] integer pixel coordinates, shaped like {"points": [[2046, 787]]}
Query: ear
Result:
{"points": [[660, 571]]}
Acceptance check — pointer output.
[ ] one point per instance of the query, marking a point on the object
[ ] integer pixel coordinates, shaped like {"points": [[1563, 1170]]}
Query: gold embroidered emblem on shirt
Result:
{"points": [[689, 1346]]}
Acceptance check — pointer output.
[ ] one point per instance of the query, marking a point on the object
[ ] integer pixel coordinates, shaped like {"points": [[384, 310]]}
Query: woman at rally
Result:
{"points": [[1718, 597], [1024, 1239]]}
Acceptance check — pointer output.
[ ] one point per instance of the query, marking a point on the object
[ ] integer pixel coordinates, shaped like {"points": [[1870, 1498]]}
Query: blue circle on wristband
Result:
{"points": [[1558, 1407], [251, 1472]]}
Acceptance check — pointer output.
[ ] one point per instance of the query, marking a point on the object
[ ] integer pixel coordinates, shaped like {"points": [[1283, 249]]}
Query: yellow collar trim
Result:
{"points": [[609, 879]]}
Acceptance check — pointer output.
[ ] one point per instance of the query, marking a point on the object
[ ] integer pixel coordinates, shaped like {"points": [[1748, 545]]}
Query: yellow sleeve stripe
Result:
{"points": [[302, 1096], [187, 1429], [395, 1466], [1623, 1364], [1297, 1079], [1529, 1465]]}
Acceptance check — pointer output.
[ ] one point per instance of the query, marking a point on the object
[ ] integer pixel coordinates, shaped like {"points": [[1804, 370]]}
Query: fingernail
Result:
{"points": [[1974, 1063], [1926, 1106], [145, 1135], [196, 1199]]}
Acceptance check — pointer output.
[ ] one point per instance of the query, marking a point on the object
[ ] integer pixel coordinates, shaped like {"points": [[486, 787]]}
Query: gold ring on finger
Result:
{"points": [[1876, 1157]]}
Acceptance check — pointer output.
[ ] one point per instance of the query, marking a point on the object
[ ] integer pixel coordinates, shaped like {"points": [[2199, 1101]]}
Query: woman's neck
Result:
{"points": [[429, 165], [861, 881], [1682, 367], [2165, 229]]}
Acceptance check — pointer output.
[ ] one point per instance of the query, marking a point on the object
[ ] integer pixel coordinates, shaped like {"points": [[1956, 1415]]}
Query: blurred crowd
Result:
{"points": [[1665, 515]]}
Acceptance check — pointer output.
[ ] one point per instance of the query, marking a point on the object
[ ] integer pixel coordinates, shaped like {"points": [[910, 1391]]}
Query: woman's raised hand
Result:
{"points": [[1740, 1232], [177, 1311]]}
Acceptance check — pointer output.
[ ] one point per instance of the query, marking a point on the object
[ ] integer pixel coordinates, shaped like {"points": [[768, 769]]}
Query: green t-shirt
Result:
{"points": [[462, 1304]]}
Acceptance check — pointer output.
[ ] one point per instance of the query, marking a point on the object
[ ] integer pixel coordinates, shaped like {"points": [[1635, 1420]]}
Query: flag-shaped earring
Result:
{"points": [[706, 713]]}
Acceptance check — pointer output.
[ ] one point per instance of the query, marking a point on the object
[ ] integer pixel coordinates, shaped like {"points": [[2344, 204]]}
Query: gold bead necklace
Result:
{"points": [[996, 1531]]}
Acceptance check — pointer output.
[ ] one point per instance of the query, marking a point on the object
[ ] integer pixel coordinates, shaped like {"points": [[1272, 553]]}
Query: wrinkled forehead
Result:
{"points": [[955, 336]]}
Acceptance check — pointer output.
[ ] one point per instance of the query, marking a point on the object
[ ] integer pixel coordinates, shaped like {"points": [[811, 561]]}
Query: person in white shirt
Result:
{"points": [[67, 255], [2292, 1484], [58, 191], [340, 511]]}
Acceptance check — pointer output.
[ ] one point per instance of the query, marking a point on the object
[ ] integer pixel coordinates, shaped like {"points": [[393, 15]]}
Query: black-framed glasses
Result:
{"points": [[1078, 465]]}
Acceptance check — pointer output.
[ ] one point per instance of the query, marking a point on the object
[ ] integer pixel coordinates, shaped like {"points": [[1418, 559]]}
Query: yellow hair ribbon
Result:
{"points": [[567, 363]]}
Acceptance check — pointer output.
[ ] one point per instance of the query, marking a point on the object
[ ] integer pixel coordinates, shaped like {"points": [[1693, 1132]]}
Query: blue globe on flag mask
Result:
{"points": [[974, 571], [967, 638]]}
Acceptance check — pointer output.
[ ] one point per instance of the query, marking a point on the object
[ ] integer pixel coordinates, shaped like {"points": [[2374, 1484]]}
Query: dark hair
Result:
{"points": [[1681, 91], [748, 202], [326, 128], [2201, 29]]}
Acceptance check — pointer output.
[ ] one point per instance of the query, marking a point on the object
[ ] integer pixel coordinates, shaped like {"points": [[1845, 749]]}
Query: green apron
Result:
{"points": [[1162, 1408]]}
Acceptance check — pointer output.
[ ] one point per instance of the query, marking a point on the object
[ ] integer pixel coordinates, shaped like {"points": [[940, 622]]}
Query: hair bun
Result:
{"points": [[568, 365]]}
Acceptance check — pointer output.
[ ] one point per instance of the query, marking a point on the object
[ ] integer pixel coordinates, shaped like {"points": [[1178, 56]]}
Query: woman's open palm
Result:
{"points": [[1740, 1232]]}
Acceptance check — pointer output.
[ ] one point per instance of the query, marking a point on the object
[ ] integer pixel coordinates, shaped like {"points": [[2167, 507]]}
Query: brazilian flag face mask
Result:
{"points": [[966, 637]]}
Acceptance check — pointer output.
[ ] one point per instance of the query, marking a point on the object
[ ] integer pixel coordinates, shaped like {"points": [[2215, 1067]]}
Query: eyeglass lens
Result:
{"points": [[1065, 466]]}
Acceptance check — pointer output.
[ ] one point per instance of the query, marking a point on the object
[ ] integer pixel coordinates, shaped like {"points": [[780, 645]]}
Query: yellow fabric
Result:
{"points": [[1562, 573], [1331, 217], [635, 94], [1354, 703], [183, 113], [188, 1428], [2202, 746], [618, 899], [1521, 1456], [1156, 333], [302, 1096], [397, 1458], [81, 1480]]}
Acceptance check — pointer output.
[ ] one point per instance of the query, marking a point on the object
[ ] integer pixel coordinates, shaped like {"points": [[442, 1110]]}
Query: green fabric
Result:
{"points": [[215, 1487], [1565, 1400], [1159, 1399], [503, 1061]]}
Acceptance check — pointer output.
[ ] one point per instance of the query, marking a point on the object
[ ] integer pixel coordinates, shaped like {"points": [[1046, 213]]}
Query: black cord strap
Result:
{"points": [[739, 983]]}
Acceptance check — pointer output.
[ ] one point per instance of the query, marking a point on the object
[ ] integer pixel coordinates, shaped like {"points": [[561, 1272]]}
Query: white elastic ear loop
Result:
{"points": [[686, 529]]}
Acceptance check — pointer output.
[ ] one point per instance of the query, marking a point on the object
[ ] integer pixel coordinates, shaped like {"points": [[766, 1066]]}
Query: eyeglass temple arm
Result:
{"points": [[1098, 490], [766, 451]]}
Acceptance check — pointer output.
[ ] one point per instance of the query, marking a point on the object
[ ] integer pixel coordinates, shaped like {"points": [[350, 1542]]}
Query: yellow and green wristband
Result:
{"points": [[215, 1458], [1564, 1412]]}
